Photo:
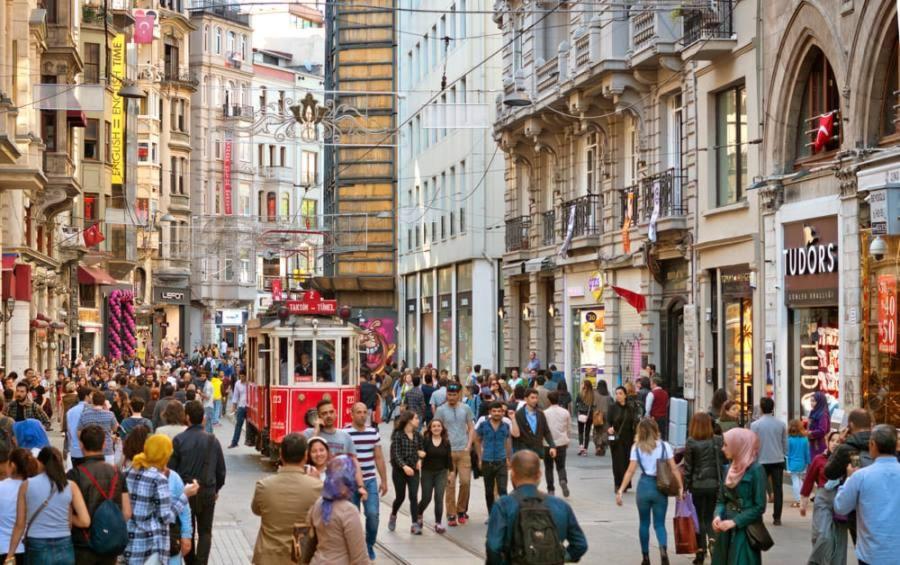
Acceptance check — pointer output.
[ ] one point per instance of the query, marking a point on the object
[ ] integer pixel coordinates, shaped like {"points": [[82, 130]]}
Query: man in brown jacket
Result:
{"points": [[282, 500]]}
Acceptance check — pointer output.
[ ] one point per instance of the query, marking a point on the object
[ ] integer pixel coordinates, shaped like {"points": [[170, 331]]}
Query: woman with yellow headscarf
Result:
{"points": [[154, 507]]}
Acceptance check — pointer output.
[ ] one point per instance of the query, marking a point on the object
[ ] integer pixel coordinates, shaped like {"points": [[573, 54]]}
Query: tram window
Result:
{"points": [[345, 361], [283, 361], [303, 367], [325, 361]]}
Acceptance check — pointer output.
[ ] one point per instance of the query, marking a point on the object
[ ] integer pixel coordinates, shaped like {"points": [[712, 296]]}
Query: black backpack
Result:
{"points": [[108, 534], [535, 540]]}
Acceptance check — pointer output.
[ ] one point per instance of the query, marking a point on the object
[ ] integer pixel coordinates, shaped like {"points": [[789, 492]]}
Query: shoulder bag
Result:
{"points": [[758, 537], [304, 541], [665, 479]]}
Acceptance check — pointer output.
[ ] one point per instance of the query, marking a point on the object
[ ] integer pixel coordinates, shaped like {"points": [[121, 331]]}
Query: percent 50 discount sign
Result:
{"points": [[887, 314]]}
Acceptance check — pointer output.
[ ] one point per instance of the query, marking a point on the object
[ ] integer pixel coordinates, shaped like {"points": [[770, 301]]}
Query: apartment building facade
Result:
{"points": [[223, 275], [616, 123], [449, 189]]}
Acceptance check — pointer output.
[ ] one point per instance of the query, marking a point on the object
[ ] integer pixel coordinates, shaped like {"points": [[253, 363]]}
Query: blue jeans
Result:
{"points": [[239, 417], [651, 501], [209, 413], [217, 411], [370, 509], [40, 551]]}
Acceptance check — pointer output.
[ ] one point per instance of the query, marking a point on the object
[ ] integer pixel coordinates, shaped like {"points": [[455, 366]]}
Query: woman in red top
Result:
{"points": [[815, 474]]}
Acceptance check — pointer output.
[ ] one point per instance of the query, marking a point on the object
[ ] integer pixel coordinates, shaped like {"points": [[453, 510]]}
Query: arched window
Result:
{"points": [[204, 94], [285, 208], [218, 40], [261, 209], [206, 38], [890, 125], [243, 47], [820, 96], [271, 211], [230, 44]]}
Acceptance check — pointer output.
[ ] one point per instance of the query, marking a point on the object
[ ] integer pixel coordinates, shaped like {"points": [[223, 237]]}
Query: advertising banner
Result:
{"points": [[117, 143], [887, 314], [226, 174]]}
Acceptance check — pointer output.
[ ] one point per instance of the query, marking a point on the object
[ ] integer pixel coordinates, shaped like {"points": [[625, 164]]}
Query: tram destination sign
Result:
{"points": [[312, 303]]}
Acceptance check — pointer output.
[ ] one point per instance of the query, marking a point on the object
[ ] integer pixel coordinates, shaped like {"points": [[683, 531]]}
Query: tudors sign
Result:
{"points": [[811, 262]]}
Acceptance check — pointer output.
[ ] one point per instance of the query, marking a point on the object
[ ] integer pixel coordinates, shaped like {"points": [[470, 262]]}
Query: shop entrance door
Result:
{"points": [[673, 367]]}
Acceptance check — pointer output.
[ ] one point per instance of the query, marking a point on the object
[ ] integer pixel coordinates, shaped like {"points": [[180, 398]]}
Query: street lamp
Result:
{"points": [[8, 308]]}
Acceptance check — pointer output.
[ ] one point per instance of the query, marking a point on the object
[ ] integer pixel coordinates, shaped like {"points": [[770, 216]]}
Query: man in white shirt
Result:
{"points": [[205, 392], [558, 420], [239, 408]]}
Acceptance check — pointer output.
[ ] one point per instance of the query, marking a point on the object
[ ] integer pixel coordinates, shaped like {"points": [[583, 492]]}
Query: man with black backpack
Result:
{"points": [[106, 497], [528, 527], [854, 447]]}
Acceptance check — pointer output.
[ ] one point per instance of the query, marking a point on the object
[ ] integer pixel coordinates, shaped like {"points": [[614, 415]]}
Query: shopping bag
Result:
{"points": [[685, 535], [685, 508]]}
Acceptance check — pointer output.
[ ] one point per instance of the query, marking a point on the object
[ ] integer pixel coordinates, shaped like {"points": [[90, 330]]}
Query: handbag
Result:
{"points": [[304, 543], [599, 418], [758, 537], [665, 479]]}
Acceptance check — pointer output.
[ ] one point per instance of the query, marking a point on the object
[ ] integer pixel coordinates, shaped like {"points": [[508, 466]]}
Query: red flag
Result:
{"points": [[92, 235], [825, 132], [638, 301], [144, 21]]}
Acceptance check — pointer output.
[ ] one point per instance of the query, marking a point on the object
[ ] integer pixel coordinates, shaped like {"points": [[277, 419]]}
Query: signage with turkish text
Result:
{"points": [[276, 290], [810, 262], [312, 303], [887, 314]]}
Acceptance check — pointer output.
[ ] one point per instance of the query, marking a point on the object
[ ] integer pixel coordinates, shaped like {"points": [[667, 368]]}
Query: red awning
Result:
{"points": [[76, 118], [9, 261], [94, 275]]}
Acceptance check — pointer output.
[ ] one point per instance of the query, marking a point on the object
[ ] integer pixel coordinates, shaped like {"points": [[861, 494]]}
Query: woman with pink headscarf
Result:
{"points": [[741, 501]]}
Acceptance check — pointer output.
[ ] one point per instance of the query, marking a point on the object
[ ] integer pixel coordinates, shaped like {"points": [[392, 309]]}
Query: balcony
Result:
{"points": [[180, 139], [95, 16], [226, 12], [62, 184], [180, 201], [179, 77], [9, 151], [279, 174], [237, 111], [654, 35], [517, 233], [708, 30], [548, 223], [546, 76], [583, 214], [659, 197]]}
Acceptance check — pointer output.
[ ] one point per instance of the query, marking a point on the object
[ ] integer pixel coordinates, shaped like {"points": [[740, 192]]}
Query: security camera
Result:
{"points": [[878, 248]]}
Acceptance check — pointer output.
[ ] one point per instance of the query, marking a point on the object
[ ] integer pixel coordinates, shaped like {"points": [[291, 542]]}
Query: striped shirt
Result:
{"points": [[365, 442]]}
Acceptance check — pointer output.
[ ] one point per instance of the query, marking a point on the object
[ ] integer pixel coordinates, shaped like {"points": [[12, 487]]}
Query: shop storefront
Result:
{"points": [[411, 353], [171, 317], [231, 323], [463, 315], [445, 317], [811, 294], [735, 310], [588, 351]]}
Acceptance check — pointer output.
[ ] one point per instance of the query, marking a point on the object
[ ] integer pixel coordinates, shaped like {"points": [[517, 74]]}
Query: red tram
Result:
{"points": [[296, 357]]}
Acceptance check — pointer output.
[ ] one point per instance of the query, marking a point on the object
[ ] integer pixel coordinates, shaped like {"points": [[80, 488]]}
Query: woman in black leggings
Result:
{"points": [[406, 455], [436, 466], [701, 475]]}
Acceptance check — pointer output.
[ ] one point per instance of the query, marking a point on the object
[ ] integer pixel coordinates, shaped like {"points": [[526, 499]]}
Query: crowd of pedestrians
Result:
{"points": [[139, 473]]}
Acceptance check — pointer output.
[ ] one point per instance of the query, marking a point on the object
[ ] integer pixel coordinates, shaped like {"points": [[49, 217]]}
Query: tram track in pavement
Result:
{"points": [[474, 552]]}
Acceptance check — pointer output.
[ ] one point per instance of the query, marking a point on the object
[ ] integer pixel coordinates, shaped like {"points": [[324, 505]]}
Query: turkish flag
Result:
{"points": [[825, 132], [92, 235], [144, 21], [638, 301]]}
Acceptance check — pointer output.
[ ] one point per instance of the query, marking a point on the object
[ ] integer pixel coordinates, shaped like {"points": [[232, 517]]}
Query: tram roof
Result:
{"points": [[297, 325]]}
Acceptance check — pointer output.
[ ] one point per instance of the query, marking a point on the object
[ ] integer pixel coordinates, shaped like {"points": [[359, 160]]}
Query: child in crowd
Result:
{"points": [[797, 457]]}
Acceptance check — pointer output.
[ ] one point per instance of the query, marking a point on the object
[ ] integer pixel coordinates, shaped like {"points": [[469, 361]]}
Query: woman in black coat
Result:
{"points": [[701, 475], [622, 419]]}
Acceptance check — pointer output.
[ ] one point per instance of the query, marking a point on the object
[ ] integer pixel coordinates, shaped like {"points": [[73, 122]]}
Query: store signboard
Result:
{"points": [[593, 340], [230, 317], [887, 314], [810, 262]]}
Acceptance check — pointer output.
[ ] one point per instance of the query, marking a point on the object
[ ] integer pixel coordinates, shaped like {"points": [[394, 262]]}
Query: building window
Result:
{"points": [[218, 40], [820, 96], [731, 147], [92, 140], [889, 123], [271, 211], [87, 296], [309, 212], [517, 41], [91, 210], [310, 171], [91, 63], [107, 142], [143, 152], [285, 210], [230, 44], [206, 38]]}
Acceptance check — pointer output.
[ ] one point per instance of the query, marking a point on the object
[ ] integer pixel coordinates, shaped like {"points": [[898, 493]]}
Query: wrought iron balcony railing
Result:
{"points": [[517, 233]]}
